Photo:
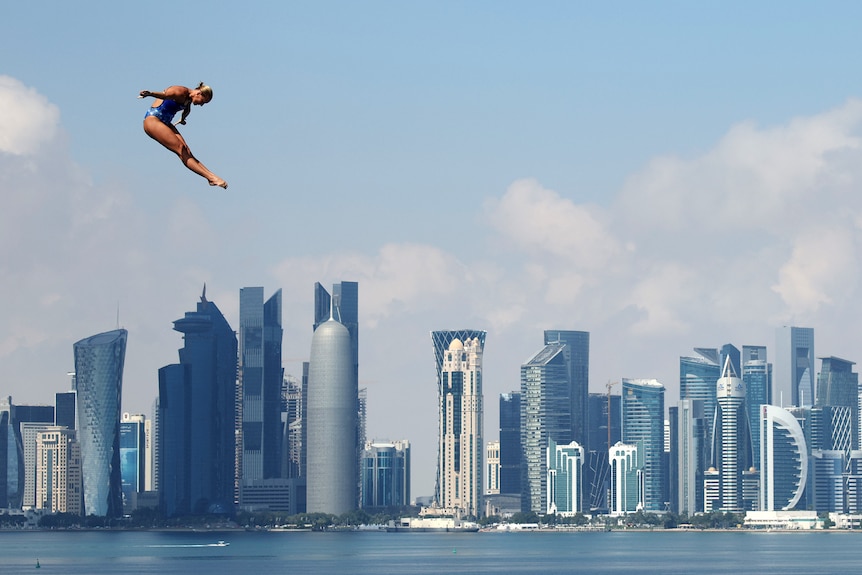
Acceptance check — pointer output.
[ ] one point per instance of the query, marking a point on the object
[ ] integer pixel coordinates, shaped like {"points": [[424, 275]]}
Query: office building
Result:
{"points": [[731, 448], [333, 476], [691, 455], [793, 371], [510, 443], [643, 425], [64, 409], [11, 459], [385, 474], [783, 460], [460, 441], [58, 471], [627, 478], [838, 385], [545, 416], [99, 363], [604, 430], [260, 377], [492, 468], [133, 454], [577, 357], [197, 405], [565, 480], [757, 376]]}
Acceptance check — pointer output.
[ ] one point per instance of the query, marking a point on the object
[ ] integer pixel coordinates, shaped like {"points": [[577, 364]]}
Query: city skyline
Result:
{"points": [[662, 176]]}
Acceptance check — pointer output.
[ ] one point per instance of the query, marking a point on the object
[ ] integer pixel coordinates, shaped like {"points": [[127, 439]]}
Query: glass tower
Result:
{"points": [[577, 354], [838, 385], [99, 378], [545, 416], [783, 459], [643, 424], [260, 378], [197, 406], [794, 366], [386, 474], [510, 443], [757, 376]]}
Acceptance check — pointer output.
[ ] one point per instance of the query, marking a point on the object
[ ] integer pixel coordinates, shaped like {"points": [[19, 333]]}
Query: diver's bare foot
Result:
{"points": [[219, 182]]}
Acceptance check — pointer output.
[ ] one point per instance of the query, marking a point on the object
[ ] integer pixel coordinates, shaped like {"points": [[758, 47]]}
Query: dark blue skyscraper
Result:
{"points": [[99, 379], [197, 399], [838, 385], [510, 443], [794, 376], [260, 379], [577, 354]]}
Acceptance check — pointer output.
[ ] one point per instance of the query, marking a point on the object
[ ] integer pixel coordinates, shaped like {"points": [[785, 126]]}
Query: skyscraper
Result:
{"points": [[11, 458], [99, 363], [197, 403], [545, 416], [643, 423], [133, 452], [757, 376], [627, 478], [697, 377], [691, 456], [732, 444], [577, 355], [492, 468], [386, 474], [333, 476], [64, 409], [58, 471], [460, 439], [793, 383], [510, 443], [783, 459], [838, 385], [565, 478], [260, 378]]}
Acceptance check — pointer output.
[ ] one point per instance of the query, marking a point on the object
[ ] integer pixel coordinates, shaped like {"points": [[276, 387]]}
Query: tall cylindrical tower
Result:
{"points": [[332, 414]]}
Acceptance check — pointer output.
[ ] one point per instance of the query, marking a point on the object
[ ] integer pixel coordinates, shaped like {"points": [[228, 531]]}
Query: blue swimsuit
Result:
{"points": [[165, 111]]}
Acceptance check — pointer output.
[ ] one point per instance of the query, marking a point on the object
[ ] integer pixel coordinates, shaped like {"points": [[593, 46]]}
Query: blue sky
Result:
{"points": [[664, 175]]}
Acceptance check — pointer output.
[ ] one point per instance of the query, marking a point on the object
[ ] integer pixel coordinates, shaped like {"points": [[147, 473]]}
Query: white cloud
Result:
{"points": [[27, 119], [538, 220]]}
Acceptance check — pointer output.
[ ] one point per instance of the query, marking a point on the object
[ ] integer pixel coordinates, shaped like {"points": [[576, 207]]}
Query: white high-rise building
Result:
{"points": [[627, 474], [459, 480], [730, 438], [565, 481], [492, 466], [58, 471]]}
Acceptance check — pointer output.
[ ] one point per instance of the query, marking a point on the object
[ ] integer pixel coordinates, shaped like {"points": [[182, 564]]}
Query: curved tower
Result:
{"points": [[99, 379], [783, 459], [332, 421]]}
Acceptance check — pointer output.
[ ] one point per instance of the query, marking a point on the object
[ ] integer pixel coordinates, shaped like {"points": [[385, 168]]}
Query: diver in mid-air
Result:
{"points": [[158, 124]]}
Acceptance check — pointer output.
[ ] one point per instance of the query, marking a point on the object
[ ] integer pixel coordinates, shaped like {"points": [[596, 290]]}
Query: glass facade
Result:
{"points": [[577, 354], [197, 407], [545, 416], [757, 375], [510, 443], [838, 385], [784, 460], [99, 378], [260, 380], [643, 424], [794, 368], [385, 474]]}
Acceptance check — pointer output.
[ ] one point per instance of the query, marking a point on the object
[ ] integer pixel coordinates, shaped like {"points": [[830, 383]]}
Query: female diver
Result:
{"points": [[158, 123]]}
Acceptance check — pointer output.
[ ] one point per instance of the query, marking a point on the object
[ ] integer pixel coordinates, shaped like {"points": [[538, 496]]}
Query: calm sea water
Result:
{"points": [[645, 553]]}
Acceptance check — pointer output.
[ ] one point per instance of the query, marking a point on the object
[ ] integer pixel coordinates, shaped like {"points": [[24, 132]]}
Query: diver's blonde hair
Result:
{"points": [[206, 91]]}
